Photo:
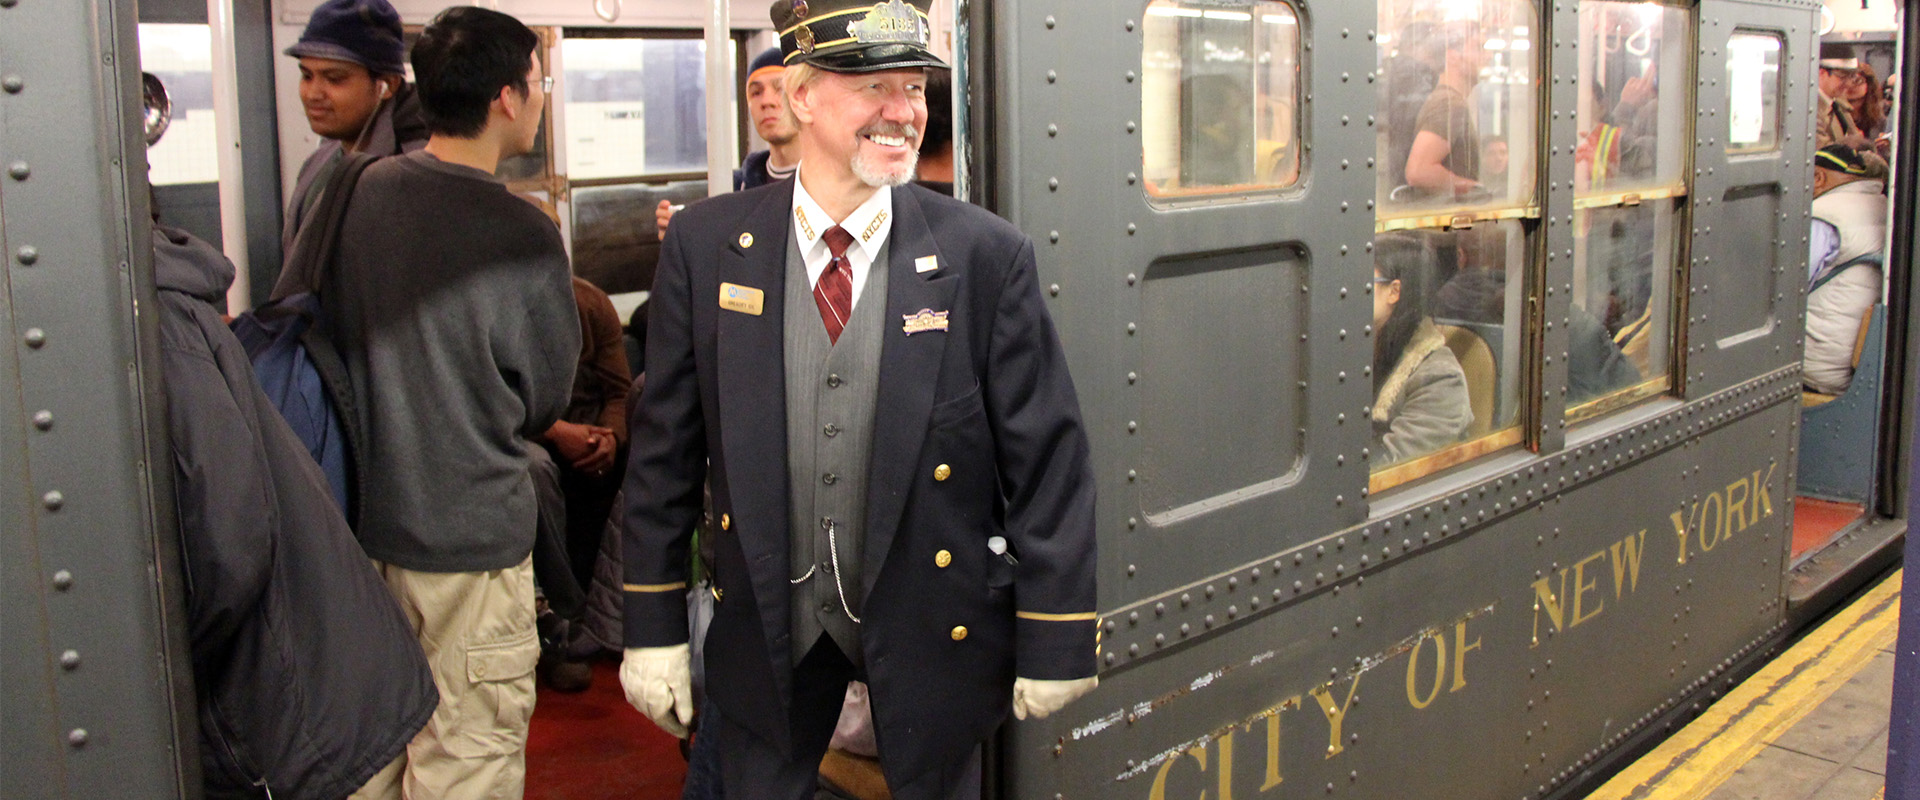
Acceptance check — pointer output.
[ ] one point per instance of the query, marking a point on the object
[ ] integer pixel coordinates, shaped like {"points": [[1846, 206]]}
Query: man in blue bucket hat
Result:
{"points": [[353, 89]]}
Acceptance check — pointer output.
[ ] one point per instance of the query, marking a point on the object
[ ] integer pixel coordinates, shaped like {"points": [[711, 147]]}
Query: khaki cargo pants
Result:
{"points": [[477, 631]]}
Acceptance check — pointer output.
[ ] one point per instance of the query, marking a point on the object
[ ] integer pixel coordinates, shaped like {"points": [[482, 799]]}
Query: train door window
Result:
{"points": [[1630, 187], [1753, 92], [1459, 100], [1220, 89], [181, 56], [1457, 207], [634, 121]]}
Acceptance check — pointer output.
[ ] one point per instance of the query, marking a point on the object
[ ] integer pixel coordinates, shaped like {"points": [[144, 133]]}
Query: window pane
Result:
{"points": [[1219, 92], [1753, 92], [634, 106], [615, 241], [181, 56], [1458, 99], [1632, 134], [1621, 330], [1448, 332]]}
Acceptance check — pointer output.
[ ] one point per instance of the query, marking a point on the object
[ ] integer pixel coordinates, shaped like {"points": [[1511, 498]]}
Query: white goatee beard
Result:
{"points": [[879, 177]]}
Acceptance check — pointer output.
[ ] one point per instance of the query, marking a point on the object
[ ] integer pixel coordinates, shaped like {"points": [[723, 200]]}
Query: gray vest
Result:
{"points": [[831, 394]]}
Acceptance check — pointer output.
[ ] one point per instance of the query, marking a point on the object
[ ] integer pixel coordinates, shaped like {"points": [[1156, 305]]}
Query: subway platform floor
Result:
{"points": [[1810, 724]]}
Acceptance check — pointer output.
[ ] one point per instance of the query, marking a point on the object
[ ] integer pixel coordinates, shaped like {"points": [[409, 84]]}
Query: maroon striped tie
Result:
{"points": [[834, 292]]}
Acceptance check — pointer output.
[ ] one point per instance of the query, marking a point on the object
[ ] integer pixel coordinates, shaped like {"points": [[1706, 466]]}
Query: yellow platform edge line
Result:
{"points": [[1693, 762]]}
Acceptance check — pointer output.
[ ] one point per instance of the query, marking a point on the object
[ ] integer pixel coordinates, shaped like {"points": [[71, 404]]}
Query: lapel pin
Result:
{"points": [[746, 240], [922, 321], [926, 263]]}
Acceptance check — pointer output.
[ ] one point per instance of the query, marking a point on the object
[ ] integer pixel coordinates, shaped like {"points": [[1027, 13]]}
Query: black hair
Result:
{"points": [[462, 60], [939, 133], [1407, 258]]}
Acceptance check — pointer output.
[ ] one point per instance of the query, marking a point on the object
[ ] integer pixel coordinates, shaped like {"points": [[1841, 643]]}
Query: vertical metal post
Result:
{"points": [[959, 94], [1903, 738], [722, 153], [95, 687], [226, 126]]}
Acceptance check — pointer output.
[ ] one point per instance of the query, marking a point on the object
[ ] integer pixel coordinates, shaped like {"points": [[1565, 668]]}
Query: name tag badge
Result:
{"points": [[744, 299]]}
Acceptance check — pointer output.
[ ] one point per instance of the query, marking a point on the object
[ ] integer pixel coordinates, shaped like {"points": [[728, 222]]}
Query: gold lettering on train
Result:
{"points": [[1722, 514], [1335, 714], [1273, 744], [1439, 670], [1626, 569], [1623, 556], [1159, 792], [1460, 648], [1226, 767], [1581, 586]]}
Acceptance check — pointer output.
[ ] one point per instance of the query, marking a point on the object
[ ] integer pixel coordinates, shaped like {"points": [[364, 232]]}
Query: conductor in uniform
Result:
{"points": [[867, 374]]}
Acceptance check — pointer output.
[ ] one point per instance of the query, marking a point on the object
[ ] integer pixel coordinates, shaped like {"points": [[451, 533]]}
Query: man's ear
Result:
{"points": [[800, 102], [508, 102]]}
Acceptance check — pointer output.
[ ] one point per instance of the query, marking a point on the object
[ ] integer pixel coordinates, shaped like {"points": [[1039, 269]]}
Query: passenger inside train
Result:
{"points": [[1843, 263], [1420, 394]]}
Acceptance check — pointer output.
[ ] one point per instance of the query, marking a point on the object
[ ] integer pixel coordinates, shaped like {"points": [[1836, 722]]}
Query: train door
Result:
{"points": [[1203, 228], [1850, 421]]}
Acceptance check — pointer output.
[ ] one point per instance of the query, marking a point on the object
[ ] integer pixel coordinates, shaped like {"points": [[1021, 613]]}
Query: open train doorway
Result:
{"points": [[1852, 368]]}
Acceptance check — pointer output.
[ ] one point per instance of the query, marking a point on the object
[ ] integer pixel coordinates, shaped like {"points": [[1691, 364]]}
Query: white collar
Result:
{"points": [[869, 224]]}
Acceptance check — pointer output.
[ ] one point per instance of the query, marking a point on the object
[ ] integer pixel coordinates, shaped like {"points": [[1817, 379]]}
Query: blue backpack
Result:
{"points": [[296, 362]]}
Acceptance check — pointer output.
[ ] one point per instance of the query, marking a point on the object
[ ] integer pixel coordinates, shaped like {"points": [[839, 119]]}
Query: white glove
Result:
{"points": [[1040, 698], [659, 683]]}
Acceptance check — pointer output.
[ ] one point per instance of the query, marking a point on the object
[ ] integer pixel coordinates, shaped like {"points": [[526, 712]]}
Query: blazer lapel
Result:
{"points": [[752, 401], [909, 369]]}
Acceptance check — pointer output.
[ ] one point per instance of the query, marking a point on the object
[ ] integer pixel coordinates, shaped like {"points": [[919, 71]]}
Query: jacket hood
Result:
{"points": [[184, 264]]}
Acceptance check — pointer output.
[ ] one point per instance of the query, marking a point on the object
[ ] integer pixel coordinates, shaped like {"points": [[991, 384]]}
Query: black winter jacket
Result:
{"points": [[308, 678]]}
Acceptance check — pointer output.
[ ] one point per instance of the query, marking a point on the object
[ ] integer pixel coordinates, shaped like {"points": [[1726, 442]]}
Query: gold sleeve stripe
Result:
{"points": [[654, 587], [1041, 617]]}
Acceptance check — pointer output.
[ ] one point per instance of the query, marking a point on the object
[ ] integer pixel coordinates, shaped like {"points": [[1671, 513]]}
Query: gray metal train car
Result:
{"points": [[1441, 360]]}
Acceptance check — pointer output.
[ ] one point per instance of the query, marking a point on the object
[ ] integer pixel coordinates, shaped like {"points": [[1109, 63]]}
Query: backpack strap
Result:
{"points": [[307, 263], [1871, 259]]}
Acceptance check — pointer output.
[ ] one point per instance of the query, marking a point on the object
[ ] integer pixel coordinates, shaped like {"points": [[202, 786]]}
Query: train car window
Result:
{"points": [[1220, 86], [181, 56], [1630, 184], [1458, 98], [1753, 92], [634, 106], [635, 124], [1448, 308]]}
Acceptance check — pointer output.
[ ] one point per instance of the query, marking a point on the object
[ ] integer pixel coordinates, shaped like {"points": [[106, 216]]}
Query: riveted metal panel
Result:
{"points": [[95, 695], [1130, 281], [1500, 647], [1746, 311]]}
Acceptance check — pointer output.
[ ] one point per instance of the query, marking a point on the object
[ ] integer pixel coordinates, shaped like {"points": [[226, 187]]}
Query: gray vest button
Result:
{"points": [[829, 478]]}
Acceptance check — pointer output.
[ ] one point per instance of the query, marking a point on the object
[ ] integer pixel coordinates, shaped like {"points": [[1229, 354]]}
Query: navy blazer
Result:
{"points": [[977, 433]]}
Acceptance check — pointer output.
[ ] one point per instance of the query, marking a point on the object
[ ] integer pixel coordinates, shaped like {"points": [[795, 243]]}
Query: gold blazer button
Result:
{"points": [[726, 522], [959, 632], [942, 559], [940, 473]]}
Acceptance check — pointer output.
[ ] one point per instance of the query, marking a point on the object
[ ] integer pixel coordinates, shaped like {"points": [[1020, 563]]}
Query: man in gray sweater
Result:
{"points": [[450, 302]]}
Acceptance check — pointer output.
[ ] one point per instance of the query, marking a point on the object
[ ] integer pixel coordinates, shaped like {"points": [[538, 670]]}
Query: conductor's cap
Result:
{"points": [[855, 35]]}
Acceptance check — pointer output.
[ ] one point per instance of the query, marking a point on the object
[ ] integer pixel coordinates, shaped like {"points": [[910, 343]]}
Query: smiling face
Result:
{"points": [[869, 122], [339, 96]]}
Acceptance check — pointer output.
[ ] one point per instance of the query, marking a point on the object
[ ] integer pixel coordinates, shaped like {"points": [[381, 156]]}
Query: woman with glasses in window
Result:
{"points": [[1420, 402]]}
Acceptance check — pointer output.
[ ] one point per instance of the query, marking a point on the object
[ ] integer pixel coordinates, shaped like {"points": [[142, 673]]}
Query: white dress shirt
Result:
{"points": [[869, 224]]}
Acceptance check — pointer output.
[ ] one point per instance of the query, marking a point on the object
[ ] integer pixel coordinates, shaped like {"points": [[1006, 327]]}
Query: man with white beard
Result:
{"points": [[868, 373]]}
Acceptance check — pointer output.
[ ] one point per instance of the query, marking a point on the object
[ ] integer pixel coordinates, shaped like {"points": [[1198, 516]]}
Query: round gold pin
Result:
{"points": [[746, 240], [803, 38], [800, 9], [942, 559]]}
